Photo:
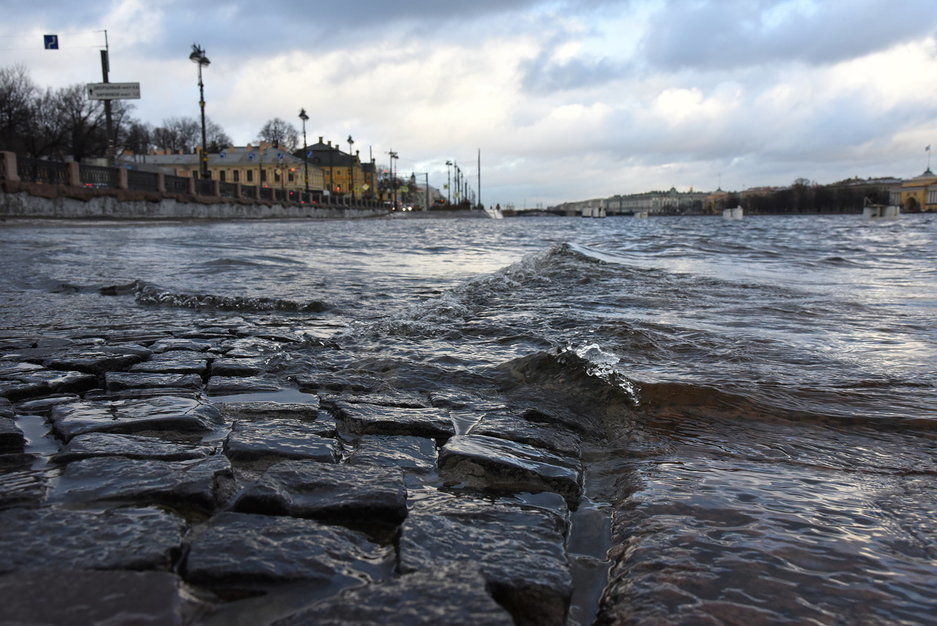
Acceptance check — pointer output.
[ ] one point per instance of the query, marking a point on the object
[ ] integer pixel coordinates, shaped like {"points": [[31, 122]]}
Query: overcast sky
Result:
{"points": [[566, 100]]}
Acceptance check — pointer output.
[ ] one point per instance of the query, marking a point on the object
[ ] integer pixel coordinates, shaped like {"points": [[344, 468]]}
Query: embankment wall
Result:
{"points": [[26, 205]]}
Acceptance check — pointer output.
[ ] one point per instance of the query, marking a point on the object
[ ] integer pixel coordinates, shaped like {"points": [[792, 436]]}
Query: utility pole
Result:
{"points": [[448, 183], [108, 117], [304, 117], [479, 177], [198, 57], [351, 167], [393, 179]]}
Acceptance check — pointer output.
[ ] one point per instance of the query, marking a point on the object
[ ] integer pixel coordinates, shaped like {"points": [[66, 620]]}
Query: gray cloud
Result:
{"points": [[542, 74], [738, 33]]}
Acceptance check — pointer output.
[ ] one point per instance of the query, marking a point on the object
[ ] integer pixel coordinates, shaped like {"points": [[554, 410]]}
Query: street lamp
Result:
{"points": [[351, 166], [393, 178], [304, 117], [448, 183], [198, 57]]}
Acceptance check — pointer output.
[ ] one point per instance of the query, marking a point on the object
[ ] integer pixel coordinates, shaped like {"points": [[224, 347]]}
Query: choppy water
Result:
{"points": [[764, 390]]}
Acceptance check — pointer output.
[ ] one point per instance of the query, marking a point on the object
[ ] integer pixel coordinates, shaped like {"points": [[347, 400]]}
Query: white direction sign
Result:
{"points": [[114, 91]]}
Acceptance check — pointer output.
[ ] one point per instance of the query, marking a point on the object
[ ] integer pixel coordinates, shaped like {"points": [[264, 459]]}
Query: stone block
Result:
{"points": [[238, 367], [145, 538], [520, 553], [327, 491], [370, 419], [168, 413], [258, 439], [127, 446], [453, 594], [241, 550], [225, 385], [68, 596], [120, 381], [172, 366], [98, 359], [414, 454], [11, 437], [506, 426], [181, 484], [501, 466]]}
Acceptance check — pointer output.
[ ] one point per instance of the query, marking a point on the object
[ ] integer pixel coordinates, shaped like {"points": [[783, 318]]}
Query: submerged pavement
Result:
{"points": [[174, 477]]}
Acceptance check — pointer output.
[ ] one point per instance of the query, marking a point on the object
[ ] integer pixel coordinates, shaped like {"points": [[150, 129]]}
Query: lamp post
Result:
{"points": [[448, 182], [393, 178], [351, 167], [304, 117], [198, 57]]}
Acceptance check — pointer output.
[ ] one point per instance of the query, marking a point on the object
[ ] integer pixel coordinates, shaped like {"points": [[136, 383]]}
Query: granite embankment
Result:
{"points": [[172, 475], [129, 205]]}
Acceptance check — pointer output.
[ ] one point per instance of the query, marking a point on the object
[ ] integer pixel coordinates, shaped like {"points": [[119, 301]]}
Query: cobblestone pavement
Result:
{"points": [[179, 477]]}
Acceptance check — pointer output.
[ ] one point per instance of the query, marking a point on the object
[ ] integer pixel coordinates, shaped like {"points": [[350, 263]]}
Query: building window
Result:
{"points": [[932, 197], [237, 176], [290, 176], [222, 176], [250, 176], [276, 176], [263, 176]]}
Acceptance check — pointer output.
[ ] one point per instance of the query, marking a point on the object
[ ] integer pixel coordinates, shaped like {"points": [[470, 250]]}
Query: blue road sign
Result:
{"points": [[51, 42]]}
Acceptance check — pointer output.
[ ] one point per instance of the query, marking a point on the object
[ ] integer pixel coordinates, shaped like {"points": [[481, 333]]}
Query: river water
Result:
{"points": [[762, 392]]}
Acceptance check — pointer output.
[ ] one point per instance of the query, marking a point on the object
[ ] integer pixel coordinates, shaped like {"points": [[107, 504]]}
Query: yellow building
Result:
{"points": [[917, 194], [716, 201], [342, 170], [262, 165]]}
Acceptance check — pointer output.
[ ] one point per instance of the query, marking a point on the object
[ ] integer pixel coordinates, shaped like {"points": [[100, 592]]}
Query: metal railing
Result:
{"points": [[176, 184], [228, 190], [142, 181], [98, 176], [204, 187], [42, 171]]}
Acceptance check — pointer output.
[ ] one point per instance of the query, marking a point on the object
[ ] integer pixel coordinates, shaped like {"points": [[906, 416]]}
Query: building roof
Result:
{"points": [[327, 155], [234, 156]]}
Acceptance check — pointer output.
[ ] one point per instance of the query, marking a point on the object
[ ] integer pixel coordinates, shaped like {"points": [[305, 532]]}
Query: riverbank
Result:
{"points": [[100, 207]]}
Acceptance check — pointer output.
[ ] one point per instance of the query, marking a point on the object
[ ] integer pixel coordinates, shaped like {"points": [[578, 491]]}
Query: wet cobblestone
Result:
{"points": [[186, 453]]}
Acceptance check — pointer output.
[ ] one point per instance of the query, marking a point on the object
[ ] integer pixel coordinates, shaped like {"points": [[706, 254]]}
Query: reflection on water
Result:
{"points": [[761, 393]]}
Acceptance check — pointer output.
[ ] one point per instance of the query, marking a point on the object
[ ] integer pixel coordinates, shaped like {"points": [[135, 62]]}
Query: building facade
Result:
{"points": [[916, 194], [261, 165], [343, 173], [655, 202]]}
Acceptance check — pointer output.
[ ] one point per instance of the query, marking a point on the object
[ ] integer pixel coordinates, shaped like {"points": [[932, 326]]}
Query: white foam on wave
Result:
{"points": [[604, 257], [605, 366]]}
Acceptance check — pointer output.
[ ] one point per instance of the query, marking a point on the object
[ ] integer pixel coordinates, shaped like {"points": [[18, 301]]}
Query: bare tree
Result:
{"points": [[17, 92], [178, 134], [138, 138], [46, 130], [184, 134], [83, 122], [280, 133], [217, 139]]}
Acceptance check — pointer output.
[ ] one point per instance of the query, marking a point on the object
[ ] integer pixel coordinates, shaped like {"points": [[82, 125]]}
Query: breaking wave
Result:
{"points": [[151, 295]]}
